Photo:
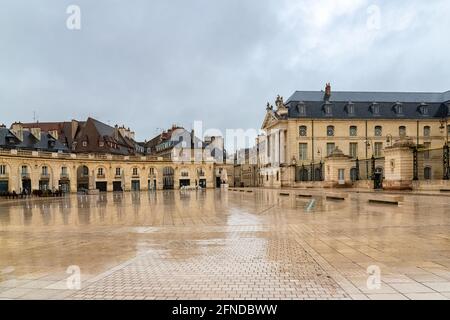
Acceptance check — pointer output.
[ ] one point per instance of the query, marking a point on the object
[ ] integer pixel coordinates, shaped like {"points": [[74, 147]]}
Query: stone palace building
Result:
{"points": [[399, 139]]}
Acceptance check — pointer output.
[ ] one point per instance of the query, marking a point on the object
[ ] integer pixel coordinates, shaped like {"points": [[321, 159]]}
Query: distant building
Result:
{"points": [[91, 136], [33, 139], [175, 142], [311, 125], [245, 168]]}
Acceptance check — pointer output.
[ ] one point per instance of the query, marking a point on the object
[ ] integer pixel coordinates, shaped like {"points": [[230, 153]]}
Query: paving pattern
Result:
{"points": [[224, 245]]}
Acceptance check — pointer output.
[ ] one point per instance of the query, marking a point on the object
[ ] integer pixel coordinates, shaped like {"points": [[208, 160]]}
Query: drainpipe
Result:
{"points": [[312, 140], [417, 140], [367, 153]]}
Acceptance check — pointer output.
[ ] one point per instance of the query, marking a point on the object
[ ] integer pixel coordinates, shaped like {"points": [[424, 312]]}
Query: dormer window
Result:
{"points": [[423, 109], [301, 109], [327, 108], [375, 108], [84, 143], [398, 108], [101, 144], [350, 108]]}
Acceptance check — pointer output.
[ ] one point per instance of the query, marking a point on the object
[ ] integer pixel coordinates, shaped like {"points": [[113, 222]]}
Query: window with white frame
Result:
{"points": [[2, 169], [353, 152], [303, 151], [378, 149]]}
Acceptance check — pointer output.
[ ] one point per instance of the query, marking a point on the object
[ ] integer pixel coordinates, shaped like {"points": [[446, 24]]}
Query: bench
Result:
{"points": [[386, 199], [336, 196], [304, 195]]}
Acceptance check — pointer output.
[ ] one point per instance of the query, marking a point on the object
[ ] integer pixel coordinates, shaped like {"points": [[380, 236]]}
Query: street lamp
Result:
{"points": [[446, 152], [444, 128]]}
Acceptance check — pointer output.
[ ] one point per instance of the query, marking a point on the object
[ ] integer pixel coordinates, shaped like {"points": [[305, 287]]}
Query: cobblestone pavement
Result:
{"points": [[223, 245]]}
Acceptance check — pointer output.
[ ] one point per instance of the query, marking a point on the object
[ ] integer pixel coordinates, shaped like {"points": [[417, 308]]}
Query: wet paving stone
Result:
{"points": [[223, 245]]}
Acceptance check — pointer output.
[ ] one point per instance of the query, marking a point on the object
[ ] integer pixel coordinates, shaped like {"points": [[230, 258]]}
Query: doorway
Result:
{"points": [[117, 186], [101, 186], [135, 185]]}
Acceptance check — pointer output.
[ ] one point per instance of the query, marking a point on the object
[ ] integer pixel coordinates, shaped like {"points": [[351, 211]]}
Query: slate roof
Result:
{"points": [[355, 96], [437, 105], [30, 142]]}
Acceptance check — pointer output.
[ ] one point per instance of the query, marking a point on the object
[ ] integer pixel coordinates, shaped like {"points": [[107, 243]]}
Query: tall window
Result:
{"points": [[24, 169], [330, 147], [44, 170], [301, 108], [2, 169], [328, 110], [353, 131], [100, 171], [353, 150], [375, 109], [330, 131], [398, 108], [303, 131], [427, 173], [64, 171], [351, 109], [118, 173], [184, 173], [378, 149], [378, 131], [152, 171], [426, 131], [135, 171], [426, 153], [402, 131], [303, 151]]}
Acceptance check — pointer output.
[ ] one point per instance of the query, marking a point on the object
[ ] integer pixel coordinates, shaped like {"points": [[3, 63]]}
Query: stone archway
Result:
{"points": [[25, 178], [5, 173], [168, 178], [152, 178], [82, 178]]}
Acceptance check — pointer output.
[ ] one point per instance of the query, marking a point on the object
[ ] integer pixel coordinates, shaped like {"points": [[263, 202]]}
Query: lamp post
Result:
{"points": [[368, 145], [444, 127]]}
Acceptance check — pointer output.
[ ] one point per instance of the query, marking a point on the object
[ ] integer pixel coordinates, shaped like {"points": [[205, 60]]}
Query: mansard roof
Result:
{"points": [[413, 105]]}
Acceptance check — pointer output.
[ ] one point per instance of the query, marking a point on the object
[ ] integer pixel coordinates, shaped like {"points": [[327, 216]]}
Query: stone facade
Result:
{"points": [[294, 138], [71, 172]]}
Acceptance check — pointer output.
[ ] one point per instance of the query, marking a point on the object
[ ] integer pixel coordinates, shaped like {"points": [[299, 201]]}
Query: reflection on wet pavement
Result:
{"points": [[223, 244]]}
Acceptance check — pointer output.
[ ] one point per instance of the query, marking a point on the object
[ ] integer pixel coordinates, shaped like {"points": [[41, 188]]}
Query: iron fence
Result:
{"points": [[309, 172], [431, 164]]}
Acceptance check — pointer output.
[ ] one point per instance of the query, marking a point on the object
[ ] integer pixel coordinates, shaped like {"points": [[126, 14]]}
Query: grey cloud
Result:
{"points": [[149, 64]]}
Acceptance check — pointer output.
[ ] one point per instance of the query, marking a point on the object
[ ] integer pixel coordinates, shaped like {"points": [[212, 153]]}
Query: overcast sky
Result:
{"points": [[148, 64]]}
